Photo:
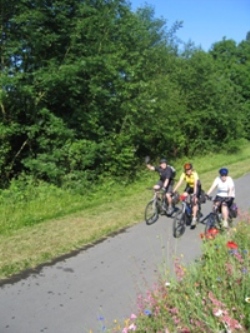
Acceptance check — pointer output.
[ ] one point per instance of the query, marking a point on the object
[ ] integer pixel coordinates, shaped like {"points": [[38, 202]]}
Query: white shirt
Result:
{"points": [[223, 188]]}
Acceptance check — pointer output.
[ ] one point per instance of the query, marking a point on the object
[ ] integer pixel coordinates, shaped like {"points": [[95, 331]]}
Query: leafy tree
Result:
{"points": [[88, 87], [248, 36]]}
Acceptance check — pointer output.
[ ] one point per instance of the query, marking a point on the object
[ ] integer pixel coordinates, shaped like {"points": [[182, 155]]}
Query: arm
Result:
{"points": [[178, 184], [150, 167], [166, 182], [212, 187], [231, 188]]}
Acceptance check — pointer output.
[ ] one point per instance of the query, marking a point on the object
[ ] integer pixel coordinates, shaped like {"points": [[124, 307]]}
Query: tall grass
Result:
{"points": [[211, 296]]}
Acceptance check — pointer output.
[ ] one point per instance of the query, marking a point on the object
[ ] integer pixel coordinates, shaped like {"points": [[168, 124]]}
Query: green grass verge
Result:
{"points": [[48, 222]]}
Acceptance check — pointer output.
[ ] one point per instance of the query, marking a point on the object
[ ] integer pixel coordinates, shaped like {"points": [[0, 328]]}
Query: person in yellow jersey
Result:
{"points": [[193, 187]]}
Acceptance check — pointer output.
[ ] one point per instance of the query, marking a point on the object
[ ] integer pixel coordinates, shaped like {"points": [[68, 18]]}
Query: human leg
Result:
{"points": [[225, 206], [169, 190]]}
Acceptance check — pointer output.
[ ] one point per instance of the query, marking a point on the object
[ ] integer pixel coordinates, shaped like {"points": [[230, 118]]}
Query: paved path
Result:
{"points": [[103, 281]]}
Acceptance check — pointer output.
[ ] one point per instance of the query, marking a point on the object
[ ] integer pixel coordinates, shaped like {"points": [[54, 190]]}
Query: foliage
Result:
{"points": [[210, 296], [89, 88]]}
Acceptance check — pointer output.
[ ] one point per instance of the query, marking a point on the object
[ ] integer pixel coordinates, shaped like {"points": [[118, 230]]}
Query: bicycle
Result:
{"points": [[214, 219], [184, 215], [154, 207]]}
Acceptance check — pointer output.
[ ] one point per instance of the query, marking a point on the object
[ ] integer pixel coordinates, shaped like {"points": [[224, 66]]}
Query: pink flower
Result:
{"points": [[215, 301], [217, 312], [133, 316], [173, 311], [231, 323], [185, 330], [132, 327]]}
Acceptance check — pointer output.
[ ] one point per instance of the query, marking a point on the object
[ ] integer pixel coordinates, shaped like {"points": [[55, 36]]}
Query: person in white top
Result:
{"points": [[225, 193]]}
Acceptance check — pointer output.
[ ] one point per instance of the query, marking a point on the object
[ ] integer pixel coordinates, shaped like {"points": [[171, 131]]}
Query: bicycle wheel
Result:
{"points": [[151, 212], [179, 224]]}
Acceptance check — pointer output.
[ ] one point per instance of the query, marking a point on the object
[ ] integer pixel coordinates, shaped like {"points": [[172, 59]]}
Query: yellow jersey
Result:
{"points": [[190, 179]]}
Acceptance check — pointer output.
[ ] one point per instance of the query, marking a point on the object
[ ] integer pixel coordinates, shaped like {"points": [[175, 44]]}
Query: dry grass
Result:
{"points": [[32, 246]]}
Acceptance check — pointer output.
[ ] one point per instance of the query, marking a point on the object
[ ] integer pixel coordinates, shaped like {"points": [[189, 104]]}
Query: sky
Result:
{"points": [[204, 21]]}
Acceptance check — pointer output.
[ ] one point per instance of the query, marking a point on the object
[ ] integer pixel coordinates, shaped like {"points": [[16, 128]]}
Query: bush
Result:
{"points": [[211, 296]]}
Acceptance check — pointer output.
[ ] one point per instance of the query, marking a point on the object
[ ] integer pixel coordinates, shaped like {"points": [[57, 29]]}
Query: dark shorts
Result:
{"points": [[169, 189], [190, 190], [220, 200]]}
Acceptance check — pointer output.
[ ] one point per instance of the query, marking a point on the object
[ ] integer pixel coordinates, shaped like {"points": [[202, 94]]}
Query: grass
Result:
{"points": [[48, 223], [211, 296]]}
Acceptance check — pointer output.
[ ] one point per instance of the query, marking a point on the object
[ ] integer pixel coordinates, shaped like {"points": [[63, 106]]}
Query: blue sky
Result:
{"points": [[204, 21]]}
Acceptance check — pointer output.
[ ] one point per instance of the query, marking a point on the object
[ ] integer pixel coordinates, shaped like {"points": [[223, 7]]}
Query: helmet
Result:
{"points": [[188, 166], [223, 171], [163, 160]]}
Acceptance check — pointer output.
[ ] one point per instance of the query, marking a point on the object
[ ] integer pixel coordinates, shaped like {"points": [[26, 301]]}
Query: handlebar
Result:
{"points": [[225, 199], [209, 197]]}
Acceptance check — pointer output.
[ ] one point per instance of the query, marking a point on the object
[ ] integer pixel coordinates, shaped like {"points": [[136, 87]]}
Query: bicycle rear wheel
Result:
{"points": [[212, 226], [179, 224], [151, 212]]}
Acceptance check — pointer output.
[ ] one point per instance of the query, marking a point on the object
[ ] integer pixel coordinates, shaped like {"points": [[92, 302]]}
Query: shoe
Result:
{"points": [[193, 223], [163, 207], [225, 224], [170, 210]]}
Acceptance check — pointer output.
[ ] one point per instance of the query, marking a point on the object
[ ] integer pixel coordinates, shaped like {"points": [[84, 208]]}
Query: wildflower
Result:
{"points": [[232, 245], [132, 327], [232, 251], [179, 269], [217, 312], [185, 330], [133, 316], [213, 231], [231, 323], [215, 301], [247, 299], [173, 311], [167, 284], [147, 312], [244, 270], [176, 320], [202, 235]]}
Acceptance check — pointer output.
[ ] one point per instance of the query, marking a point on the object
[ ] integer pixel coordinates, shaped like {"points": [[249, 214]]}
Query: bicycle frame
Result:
{"points": [[215, 218], [186, 206], [160, 197]]}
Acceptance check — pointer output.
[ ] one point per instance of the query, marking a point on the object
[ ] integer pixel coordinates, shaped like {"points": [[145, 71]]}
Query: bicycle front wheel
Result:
{"points": [[151, 212], [179, 224]]}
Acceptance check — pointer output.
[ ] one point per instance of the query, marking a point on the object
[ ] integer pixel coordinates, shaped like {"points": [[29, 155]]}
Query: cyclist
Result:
{"points": [[193, 186], [166, 181], [225, 194]]}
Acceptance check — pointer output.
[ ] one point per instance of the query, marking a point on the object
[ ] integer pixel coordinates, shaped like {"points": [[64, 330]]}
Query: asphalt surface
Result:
{"points": [[100, 284]]}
